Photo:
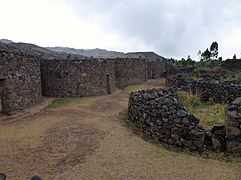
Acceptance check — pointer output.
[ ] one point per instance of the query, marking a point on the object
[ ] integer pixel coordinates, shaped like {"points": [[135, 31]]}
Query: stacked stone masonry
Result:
{"points": [[77, 78], [159, 115], [206, 90], [27, 72], [130, 71], [233, 126], [20, 80]]}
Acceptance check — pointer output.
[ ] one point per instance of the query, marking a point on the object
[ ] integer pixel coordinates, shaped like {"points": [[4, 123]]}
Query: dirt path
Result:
{"points": [[87, 139]]}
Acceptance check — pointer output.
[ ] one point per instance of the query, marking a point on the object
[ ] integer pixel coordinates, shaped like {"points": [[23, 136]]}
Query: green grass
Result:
{"points": [[59, 102], [208, 113]]}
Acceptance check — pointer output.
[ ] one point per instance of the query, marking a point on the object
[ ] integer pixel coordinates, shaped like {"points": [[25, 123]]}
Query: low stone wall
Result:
{"points": [[215, 92], [20, 80], [77, 78], [177, 82], [232, 64], [233, 126], [159, 115], [130, 71], [206, 90]]}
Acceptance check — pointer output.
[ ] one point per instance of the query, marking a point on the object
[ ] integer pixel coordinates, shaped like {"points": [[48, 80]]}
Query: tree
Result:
{"points": [[220, 58], [199, 54], [234, 56], [214, 50], [189, 57], [206, 54]]}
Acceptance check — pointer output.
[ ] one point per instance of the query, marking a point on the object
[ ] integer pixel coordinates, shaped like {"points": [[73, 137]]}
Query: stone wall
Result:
{"points": [[155, 69], [21, 81], [159, 115], [177, 82], [232, 64], [130, 71], [233, 126], [77, 78], [216, 92]]}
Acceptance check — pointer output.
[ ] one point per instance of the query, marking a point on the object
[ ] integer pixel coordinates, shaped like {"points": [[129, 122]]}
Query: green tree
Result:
{"points": [[234, 56], [206, 54], [214, 50]]}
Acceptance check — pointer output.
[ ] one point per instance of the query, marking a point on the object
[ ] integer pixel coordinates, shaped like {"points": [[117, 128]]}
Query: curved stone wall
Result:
{"points": [[77, 78], [20, 81], [155, 69], [159, 115], [130, 71]]}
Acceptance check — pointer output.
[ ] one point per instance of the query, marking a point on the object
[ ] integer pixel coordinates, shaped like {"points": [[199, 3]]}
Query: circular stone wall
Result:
{"points": [[159, 115], [77, 78]]}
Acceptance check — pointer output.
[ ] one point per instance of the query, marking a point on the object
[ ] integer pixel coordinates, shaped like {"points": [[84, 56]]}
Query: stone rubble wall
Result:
{"points": [[22, 84], [130, 71], [232, 64], [233, 126], [155, 69], [159, 115], [206, 90], [216, 92], [77, 78]]}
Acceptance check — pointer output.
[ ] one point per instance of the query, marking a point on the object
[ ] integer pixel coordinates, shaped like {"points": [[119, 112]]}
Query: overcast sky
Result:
{"points": [[172, 28]]}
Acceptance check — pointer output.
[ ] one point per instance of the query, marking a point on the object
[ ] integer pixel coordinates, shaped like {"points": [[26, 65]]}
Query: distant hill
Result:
{"points": [[68, 53], [150, 56], [96, 53], [6, 41]]}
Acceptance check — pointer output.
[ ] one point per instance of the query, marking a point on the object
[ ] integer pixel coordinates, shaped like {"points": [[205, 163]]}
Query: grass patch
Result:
{"points": [[208, 113], [59, 102]]}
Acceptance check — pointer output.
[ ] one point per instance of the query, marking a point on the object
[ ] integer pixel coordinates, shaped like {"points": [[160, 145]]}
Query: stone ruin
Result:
{"points": [[27, 74], [233, 126], [158, 114], [206, 90]]}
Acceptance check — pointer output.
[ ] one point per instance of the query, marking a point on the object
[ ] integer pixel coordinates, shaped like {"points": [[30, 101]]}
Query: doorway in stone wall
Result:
{"points": [[152, 74], [2, 82], [108, 83]]}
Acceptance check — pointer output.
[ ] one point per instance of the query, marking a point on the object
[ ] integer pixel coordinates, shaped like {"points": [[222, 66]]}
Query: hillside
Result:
{"points": [[96, 53], [6, 41]]}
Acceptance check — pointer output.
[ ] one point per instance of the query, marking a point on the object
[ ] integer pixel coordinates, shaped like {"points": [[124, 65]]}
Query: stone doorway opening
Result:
{"points": [[2, 83], [108, 83], [152, 74]]}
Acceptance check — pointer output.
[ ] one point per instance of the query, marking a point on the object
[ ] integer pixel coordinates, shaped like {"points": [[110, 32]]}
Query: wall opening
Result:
{"points": [[108, 83], [152, 74], [145, 74], [2, 82]]}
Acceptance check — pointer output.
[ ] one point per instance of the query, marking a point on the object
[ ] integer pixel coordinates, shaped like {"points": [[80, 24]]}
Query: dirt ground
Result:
{"points": [[87, 139]]}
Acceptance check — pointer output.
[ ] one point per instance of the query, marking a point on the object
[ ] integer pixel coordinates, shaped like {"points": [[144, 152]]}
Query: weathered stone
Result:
{"points": [[181, 113], [180, 129]]}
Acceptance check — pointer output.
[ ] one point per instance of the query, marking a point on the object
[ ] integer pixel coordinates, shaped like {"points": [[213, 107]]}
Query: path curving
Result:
{"points": [[87, 139]]}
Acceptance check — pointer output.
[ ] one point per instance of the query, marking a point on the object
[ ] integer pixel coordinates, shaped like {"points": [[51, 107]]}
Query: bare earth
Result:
{"points": [[87, 139]]}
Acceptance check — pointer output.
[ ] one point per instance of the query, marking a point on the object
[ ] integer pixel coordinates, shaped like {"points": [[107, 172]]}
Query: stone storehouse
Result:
{"points": [[28, 72], [129, 71], [20, 81], [77, 78]]}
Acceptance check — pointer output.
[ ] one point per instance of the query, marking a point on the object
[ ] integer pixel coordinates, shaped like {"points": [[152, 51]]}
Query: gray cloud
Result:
{"points": [[174, 28]]}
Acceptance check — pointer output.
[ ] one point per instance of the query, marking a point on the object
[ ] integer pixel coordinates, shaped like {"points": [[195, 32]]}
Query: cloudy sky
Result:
{"points": [[172, 28]]}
